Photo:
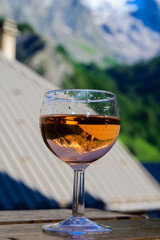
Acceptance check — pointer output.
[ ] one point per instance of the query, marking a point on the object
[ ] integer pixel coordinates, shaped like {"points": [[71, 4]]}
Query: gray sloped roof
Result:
{"points": [[30, 173]]}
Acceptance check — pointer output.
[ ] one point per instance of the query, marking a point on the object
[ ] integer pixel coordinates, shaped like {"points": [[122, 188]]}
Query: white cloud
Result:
{"points": [[98, 3]]}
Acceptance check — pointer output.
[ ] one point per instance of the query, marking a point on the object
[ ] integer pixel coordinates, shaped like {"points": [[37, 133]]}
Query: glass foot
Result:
{"points": [[76, 226]]}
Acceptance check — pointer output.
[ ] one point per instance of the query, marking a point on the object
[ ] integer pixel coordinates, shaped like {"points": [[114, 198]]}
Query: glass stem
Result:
{"points": [[78, 194]]}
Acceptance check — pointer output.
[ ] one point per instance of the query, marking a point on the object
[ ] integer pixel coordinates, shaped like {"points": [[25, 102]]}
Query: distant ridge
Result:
{"points": [[119, 33]]}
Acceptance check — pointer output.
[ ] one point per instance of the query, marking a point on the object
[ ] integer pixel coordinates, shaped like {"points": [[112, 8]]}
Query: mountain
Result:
{"points": [[121, 30], [131, 27], [137, 88], [65, 22], [41, 55]]}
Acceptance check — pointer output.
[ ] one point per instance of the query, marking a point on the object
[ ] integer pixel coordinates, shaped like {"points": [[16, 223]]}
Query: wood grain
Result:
{"points": [[42, 216], [27, 225], [124, 229]]}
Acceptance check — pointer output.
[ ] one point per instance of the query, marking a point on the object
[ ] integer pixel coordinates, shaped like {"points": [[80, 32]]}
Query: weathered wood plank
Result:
{"points": [[125, 229], [42, 216]]}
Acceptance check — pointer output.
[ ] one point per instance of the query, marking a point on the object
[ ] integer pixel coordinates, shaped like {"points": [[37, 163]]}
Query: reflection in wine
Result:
{"points": [[77, 138]]}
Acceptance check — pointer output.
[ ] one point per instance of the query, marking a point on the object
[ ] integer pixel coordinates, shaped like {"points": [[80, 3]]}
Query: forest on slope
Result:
{"points": [[138, 91]]}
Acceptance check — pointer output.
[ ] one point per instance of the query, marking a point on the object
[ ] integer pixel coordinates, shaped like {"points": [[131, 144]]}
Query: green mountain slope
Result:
{"points": [[140, 84], [137, 88]]}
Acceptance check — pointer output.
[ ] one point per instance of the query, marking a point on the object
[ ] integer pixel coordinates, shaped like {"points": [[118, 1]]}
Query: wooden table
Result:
{"points": [[26, 225]]}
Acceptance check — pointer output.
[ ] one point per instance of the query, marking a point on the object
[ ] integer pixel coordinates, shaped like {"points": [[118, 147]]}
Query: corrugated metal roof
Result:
{"points": [[32, 177]]}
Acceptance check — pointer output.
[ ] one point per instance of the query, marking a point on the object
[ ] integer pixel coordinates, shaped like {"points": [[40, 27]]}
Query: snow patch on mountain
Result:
{"points": [[99, 4]]}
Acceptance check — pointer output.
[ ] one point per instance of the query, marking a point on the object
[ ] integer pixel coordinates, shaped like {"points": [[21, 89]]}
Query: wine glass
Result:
{"points": [[79, 126]]}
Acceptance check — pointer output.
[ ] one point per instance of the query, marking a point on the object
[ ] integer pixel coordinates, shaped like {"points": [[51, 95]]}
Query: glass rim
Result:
{"points": [[111, 95]]}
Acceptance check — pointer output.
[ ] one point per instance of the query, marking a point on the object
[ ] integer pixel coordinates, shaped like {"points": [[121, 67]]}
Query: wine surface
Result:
{"points": [[78, 138]]}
